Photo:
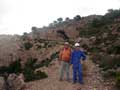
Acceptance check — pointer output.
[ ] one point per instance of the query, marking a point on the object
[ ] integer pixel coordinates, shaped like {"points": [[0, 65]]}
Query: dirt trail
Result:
{"points": [[92, 79]]}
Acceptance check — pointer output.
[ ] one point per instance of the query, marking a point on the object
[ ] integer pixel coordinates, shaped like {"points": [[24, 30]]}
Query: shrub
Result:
{"points": [[114, 49], [24, 36], [14, 67], [27, 45], [49, 45], [28, 74], [97, 23], [40, 75], [39, 47], [29, 69], [117, 80], [77, 18], [54, 55], [3, 69]]}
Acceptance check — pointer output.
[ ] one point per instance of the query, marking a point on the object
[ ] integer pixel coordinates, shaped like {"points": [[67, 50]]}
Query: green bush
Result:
{"points": [[117, 80], [14, 67], [97, 23], [39, 47], [27, 45], [106, 19], [49, 45], [28, 74], [29, 69], [40, 75], [115, 49], [54, 55], [3, 69]]}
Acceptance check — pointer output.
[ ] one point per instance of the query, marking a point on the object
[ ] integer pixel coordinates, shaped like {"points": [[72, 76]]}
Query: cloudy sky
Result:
{"points": [[18, 16]]}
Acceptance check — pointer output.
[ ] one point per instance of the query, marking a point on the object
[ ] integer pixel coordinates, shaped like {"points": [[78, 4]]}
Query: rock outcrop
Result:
{"points": [[2, 83], [16, 82]]}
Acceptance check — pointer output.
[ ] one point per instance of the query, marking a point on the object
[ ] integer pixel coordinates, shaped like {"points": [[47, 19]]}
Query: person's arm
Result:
{"points": [[71, 60], [60, 55], [83, 56]]}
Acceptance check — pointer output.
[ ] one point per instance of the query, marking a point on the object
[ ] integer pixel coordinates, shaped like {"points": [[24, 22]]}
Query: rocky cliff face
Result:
{"points": [[2, 83], [8, 49], [70, 28]]}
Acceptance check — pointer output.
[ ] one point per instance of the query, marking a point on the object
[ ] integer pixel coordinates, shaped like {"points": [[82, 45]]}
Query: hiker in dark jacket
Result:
{"points": [[76, 57]]}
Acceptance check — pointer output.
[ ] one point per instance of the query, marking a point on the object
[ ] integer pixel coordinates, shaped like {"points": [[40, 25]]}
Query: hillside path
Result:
{"points": [[92, 79]]}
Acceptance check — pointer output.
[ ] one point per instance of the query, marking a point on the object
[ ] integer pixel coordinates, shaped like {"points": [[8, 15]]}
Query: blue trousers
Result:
{"points": [[77, 73]]}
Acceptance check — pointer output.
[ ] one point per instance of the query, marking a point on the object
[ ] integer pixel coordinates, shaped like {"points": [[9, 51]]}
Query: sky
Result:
{"points": [[18, 16]]}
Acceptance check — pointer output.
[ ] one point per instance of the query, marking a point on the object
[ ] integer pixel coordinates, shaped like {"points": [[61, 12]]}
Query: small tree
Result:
{"points": [[55, 23], [60, 20], [67, 19], [51, 25], [24, 36], [34, 28], [77, 18]]}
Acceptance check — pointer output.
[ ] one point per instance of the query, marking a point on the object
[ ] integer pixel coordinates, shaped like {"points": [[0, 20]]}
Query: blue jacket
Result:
{"points": [[76, 56]]}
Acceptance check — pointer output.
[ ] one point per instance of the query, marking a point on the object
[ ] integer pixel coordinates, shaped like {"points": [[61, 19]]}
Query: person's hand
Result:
{"points": [[82, 62]]}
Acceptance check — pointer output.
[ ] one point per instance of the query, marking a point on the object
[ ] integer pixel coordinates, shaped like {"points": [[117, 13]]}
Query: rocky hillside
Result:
{"points": [[63, 30], [8, 49], [31, 56]]}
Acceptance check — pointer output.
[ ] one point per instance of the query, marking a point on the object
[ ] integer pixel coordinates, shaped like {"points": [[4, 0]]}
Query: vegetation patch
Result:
{"points": [[14, 67], [117, 80], [47, 61], [27, 45], [28, 71]]}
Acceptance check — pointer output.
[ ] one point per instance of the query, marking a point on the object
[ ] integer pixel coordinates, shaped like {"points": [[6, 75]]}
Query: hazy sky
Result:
{"points": [[18, 16]]}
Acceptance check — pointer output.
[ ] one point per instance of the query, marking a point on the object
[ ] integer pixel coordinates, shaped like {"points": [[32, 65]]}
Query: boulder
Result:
{"points": [[2, 83], [118, 70], [16, 82]]}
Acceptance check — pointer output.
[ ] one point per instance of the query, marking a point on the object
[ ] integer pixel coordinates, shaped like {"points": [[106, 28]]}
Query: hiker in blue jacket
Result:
{"points": [[76, 57]]}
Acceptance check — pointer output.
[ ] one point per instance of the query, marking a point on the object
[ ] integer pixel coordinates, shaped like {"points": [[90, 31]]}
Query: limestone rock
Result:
{"points": [[2, 83], [16, 82]]}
